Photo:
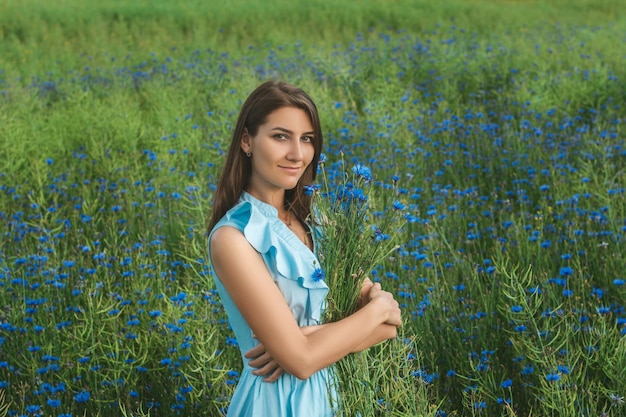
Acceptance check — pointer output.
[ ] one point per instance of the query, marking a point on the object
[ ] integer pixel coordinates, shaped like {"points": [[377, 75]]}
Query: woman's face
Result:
{"points": [[281, 150]]}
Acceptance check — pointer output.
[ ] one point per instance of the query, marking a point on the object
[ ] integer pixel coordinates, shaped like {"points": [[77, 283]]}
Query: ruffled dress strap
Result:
{"points": [[277, 244]]}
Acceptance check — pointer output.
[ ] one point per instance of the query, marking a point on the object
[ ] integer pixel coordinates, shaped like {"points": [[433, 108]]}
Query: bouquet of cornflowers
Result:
{"points": [[356, 237], [352, 242]]}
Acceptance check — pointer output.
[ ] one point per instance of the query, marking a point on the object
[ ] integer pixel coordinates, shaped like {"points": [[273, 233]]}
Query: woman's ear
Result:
{"points": [[246, 143]]}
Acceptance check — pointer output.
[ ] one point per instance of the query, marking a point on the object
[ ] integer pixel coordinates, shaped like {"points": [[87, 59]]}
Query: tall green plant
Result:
{"points": [[356, 238]]}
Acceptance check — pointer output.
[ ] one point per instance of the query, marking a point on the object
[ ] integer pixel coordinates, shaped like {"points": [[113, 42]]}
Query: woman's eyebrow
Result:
{"points": [[282, 129]]}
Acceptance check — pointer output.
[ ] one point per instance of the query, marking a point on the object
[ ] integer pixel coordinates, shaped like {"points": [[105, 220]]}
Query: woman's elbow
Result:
{"points": [[301, 369], [303, 374]]}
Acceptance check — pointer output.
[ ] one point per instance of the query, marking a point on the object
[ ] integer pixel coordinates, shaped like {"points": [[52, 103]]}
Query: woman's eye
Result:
{"points": [[280, 136], [307, 139]]}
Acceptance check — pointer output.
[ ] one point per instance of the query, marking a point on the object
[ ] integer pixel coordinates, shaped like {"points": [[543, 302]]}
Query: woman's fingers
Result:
{"points": [[395, 318], [264, 364], [275, 375], [269, 367], [260, 361], [363, 294], [393, 307], [256, 351], [374, 290]]}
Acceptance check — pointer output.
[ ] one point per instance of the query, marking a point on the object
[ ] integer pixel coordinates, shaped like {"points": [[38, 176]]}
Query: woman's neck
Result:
{"points": [[275, 199]]}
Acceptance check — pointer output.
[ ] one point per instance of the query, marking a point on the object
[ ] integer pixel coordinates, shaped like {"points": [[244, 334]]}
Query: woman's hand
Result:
{"points": [[264, 363], [262, 360], [389, 305], [364, 294]]}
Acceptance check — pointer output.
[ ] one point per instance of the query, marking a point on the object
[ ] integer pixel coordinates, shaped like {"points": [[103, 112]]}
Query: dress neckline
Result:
{"points": [[272, 213]]}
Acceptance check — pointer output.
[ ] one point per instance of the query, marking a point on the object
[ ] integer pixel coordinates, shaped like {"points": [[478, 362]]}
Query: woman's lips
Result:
{"points": [[293, 170]]}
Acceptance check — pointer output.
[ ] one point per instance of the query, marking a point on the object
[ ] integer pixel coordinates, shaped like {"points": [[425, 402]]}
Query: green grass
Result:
{"points": [[494, 130], [37, 36]]}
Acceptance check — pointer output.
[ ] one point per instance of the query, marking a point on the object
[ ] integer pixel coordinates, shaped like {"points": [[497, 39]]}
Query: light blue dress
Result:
{"points": [[292, 265]]}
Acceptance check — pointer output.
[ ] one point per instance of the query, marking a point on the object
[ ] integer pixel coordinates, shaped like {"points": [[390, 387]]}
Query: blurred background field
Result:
{"points": [[39, 36], [494, 135]]}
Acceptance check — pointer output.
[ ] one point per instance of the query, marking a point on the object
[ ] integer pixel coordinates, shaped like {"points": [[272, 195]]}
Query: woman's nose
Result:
{"points": [[295, 151]]}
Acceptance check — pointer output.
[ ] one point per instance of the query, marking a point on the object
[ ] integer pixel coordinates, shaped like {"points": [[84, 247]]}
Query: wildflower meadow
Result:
{"points": [[473, 164]]}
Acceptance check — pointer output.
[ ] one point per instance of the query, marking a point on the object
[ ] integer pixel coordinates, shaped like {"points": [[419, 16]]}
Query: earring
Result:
{"points": [[248, 154]]}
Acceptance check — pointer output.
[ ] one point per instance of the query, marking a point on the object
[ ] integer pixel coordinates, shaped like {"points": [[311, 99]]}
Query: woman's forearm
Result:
{"points": [[332, 341], [383, 332], [380, 334]]}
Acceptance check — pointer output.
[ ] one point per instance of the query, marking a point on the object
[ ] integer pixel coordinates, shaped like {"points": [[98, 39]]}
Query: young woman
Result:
{"points": [[262, 252]]}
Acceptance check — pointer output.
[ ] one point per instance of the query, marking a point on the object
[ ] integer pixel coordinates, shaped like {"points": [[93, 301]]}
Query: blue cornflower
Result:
{"points": [[318, 274], [603, 310], [53, 402], [82, 397], [362, 171], [133, 322], [534, 290], [566, 271], [553, 377], [398, 205], [507, 383], [517, 309]]}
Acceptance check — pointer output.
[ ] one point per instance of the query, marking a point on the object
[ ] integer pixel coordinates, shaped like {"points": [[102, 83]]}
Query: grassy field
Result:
{"points": [[494, 135]]}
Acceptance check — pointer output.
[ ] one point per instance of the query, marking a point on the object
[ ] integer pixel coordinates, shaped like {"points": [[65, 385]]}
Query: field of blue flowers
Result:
{"points": [[500, 157]]}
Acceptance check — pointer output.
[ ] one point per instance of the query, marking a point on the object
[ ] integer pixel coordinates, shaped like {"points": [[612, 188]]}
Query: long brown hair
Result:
{"points": [[266, 98]]}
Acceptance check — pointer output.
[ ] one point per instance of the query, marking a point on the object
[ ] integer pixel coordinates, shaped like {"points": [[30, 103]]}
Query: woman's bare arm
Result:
{"points": [[266, 365], [264, 308]]}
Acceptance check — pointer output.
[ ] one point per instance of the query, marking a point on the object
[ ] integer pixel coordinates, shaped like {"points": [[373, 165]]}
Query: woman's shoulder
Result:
{"points": [[280, 248], [237, 216], [254, 222]]}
